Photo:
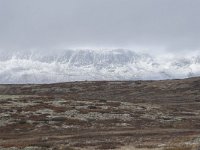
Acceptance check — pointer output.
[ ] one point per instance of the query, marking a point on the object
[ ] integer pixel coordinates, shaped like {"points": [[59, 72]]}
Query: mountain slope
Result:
{"points": [[77, 65]]}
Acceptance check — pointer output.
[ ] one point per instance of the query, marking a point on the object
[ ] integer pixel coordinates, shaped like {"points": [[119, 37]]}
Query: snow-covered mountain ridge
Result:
{"points": [[78, 65]]}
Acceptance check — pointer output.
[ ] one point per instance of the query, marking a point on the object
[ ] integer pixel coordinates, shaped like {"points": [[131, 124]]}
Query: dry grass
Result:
{"points": [[102, 115], [183, 147]]}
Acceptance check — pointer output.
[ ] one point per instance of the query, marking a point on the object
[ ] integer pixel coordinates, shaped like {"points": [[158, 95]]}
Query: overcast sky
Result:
{"points": [[171, 25]]}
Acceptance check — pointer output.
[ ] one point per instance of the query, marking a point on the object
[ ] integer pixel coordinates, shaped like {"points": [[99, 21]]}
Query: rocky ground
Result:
{"points": [[138, 115]]}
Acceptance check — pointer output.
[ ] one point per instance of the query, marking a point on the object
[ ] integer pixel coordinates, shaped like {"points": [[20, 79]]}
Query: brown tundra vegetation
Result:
{"points": [[122, 115]]}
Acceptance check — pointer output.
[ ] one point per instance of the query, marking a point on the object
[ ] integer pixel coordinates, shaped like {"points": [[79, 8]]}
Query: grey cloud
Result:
{"points": [[170, 24]]}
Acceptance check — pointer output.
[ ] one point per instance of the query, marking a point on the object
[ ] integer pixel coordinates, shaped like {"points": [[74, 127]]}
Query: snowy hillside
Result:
{"points": [[77, 65]]}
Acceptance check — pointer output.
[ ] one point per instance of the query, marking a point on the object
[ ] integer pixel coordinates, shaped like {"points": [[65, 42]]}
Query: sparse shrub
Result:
{"points": [[102, 101], [92, 107], [107, 146], [182, 147], [22, 121], [138, 82]]}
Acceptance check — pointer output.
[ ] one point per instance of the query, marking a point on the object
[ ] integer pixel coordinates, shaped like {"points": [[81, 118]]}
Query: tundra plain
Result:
{"points": [[126, 115]]}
